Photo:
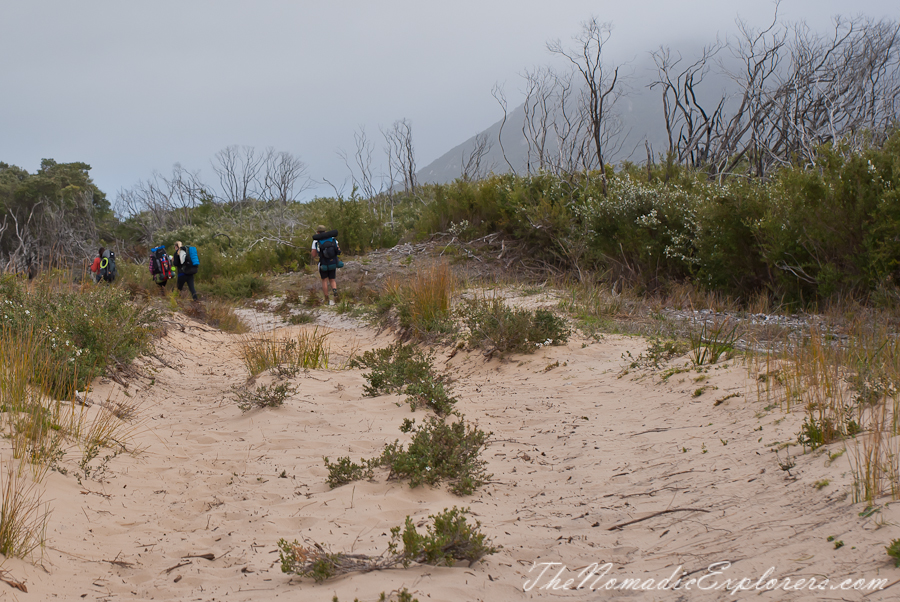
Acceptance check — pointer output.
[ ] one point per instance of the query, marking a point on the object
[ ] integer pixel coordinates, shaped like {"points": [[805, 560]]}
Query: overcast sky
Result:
{"points": [[132, 88]]}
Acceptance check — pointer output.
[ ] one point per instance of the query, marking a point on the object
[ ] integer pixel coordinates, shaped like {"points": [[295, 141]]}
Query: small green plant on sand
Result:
{"points": [[448, 539], [893, 551], [657, 352], [494, 327], [404, 368], [711, 341], [440, 450], [264, 396], [344, 471], [403, 595]]}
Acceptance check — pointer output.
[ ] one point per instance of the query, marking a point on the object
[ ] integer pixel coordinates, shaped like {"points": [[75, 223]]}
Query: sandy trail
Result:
{"points": [[578, 448]]}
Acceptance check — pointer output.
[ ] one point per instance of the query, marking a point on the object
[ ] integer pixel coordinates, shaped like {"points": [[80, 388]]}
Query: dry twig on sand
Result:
{"points": [[655, 514]]}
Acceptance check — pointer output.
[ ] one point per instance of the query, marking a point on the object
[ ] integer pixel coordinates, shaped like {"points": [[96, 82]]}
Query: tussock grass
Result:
{"points": [[221, 315], [48, 339], [309, 350], [423, 301], [849, 389], [23, 513]]}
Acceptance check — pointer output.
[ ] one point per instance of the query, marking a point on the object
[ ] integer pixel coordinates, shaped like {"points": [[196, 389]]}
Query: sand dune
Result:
{"points": [[578, 448]]}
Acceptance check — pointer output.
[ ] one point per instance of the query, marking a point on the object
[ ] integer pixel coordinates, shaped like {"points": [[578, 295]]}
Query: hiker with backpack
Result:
{"points": [[95, 267], [188, 263], [104, 266], [325, 248], [161, 267]]}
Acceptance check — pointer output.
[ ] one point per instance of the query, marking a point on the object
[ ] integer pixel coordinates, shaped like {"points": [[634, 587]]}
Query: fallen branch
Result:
{"points": [[655, 514], [5, 578], [177, 566]]}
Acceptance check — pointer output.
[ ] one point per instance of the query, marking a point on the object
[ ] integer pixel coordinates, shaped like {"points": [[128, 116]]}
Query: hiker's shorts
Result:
{"points": [[332, 273]]}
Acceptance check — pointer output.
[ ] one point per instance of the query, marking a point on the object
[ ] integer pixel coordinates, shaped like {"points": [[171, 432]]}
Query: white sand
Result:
{"points": [[577, 449]]}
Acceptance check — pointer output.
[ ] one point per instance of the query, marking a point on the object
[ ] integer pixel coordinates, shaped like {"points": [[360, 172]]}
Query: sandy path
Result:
{"points": [[578, 448]]}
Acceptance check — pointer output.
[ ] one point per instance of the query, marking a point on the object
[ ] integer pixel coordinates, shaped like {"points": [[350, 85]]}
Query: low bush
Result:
{"points": [[893, 551], [236, 287], [264, 396], [439, 451], [403, 368], [448, 539], [345, 471], [84, 330], [497, 328]]}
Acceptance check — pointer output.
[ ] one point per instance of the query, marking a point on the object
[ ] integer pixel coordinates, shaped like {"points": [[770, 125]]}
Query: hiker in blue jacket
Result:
{"points": [[328, 271], [186, 269]]}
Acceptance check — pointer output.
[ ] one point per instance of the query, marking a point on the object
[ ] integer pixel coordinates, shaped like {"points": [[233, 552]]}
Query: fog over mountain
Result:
{"points": [[133, 88], [639, 111]]}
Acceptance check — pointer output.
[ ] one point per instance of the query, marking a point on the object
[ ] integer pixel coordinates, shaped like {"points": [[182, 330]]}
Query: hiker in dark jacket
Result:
{"points": [[182, 262], [329, 274]]}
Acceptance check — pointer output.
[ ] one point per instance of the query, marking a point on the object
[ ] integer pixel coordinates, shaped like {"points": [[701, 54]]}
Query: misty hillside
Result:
{"points": [[640, 113], [639, 110]]}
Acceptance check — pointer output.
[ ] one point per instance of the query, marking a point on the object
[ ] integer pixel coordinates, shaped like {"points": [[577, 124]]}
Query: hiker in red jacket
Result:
{"points": [[95, 267]]}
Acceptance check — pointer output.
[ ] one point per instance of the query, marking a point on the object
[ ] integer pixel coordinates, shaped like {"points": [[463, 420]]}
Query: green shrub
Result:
{"points": [[448, 540], [238, 286], [85, 331], [265, 396], [392, 367], [497, 328], [893, 551], [439, 451], [344, 471], [403, 368]]}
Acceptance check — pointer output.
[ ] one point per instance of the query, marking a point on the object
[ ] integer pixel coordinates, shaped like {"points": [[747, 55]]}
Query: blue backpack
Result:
{"points": [[191, 261]]}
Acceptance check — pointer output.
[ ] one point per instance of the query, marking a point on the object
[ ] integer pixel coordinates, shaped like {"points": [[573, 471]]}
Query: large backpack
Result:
{"points": [[160, 266], [328, 252], [191, 263], [108, 270]]}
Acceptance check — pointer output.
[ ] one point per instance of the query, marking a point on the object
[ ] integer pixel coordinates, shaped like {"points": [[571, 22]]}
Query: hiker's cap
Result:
{"points": [[320, 229]]}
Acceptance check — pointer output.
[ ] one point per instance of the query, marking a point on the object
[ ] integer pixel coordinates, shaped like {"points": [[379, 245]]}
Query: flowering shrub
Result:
{"points": [[83, 330]]}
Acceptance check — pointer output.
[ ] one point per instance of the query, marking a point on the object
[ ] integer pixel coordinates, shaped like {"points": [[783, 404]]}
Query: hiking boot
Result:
{"points": [[334, 293]]}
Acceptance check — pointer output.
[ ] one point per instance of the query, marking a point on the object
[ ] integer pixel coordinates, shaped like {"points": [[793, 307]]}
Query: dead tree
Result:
{"points": [[690, 127], [401, 154], [500, 97], [473, 165], [238, 169], [361, 171], [284, 177], [600, 80], [540, 88], [161, 203], [796, 90]]}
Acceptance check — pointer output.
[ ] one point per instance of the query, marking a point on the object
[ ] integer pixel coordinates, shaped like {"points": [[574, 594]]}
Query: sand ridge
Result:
{"points": [[578, 448]]}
